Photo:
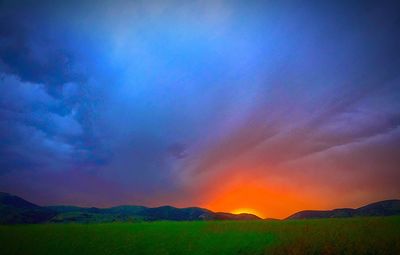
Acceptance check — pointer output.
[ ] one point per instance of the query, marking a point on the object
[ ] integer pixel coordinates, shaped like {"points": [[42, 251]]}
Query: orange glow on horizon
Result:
{"points": [[247, 210], [266, 200]]}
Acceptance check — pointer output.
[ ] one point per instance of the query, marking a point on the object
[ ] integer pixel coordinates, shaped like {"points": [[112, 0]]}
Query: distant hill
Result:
{"points": [[230, 216], [382, 208], [15, 210], [141, 213]]}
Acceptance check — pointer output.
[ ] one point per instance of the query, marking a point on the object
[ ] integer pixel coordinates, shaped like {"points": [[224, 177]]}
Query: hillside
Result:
{"points": [[382, 208], [15, 210]]}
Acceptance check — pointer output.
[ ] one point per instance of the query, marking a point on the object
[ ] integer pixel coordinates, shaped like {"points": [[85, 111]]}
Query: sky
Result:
{"points": [[269, 107]]}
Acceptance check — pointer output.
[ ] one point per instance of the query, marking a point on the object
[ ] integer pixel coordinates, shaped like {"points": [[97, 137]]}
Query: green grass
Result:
{"points": [[329, 236]]}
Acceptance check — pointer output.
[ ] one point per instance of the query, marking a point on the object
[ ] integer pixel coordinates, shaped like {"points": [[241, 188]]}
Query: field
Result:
{"points": [[329, 236]]}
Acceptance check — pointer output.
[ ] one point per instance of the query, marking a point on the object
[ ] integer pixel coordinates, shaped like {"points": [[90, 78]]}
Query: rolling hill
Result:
{"points": [[382, 208], [15, 210]]}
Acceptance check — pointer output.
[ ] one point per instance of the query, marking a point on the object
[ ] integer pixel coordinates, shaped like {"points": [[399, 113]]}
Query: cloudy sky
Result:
{"points": [[276, 106]]}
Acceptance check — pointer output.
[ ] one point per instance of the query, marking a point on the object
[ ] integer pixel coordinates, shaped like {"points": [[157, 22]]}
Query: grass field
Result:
{"points": [[329, 236]]}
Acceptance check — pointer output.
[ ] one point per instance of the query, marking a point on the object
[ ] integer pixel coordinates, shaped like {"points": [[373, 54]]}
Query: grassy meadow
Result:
{"points": [[375, 235]]}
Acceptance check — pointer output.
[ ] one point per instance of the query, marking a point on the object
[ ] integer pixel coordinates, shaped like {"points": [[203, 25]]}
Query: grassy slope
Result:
{"points": [[329, 236]]}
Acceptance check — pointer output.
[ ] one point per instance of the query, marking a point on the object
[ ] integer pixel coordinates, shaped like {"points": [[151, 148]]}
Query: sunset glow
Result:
{"points": [[247, 210], [267, 200]]}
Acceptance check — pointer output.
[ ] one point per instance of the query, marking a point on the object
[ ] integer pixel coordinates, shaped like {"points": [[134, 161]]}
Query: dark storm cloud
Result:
{"points": [[25, 51], [46, 104], [31, 131]]}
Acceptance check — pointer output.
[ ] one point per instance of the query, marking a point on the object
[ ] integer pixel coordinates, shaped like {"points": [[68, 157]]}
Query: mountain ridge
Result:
{"points": [[15, 210], [381, 208]]}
